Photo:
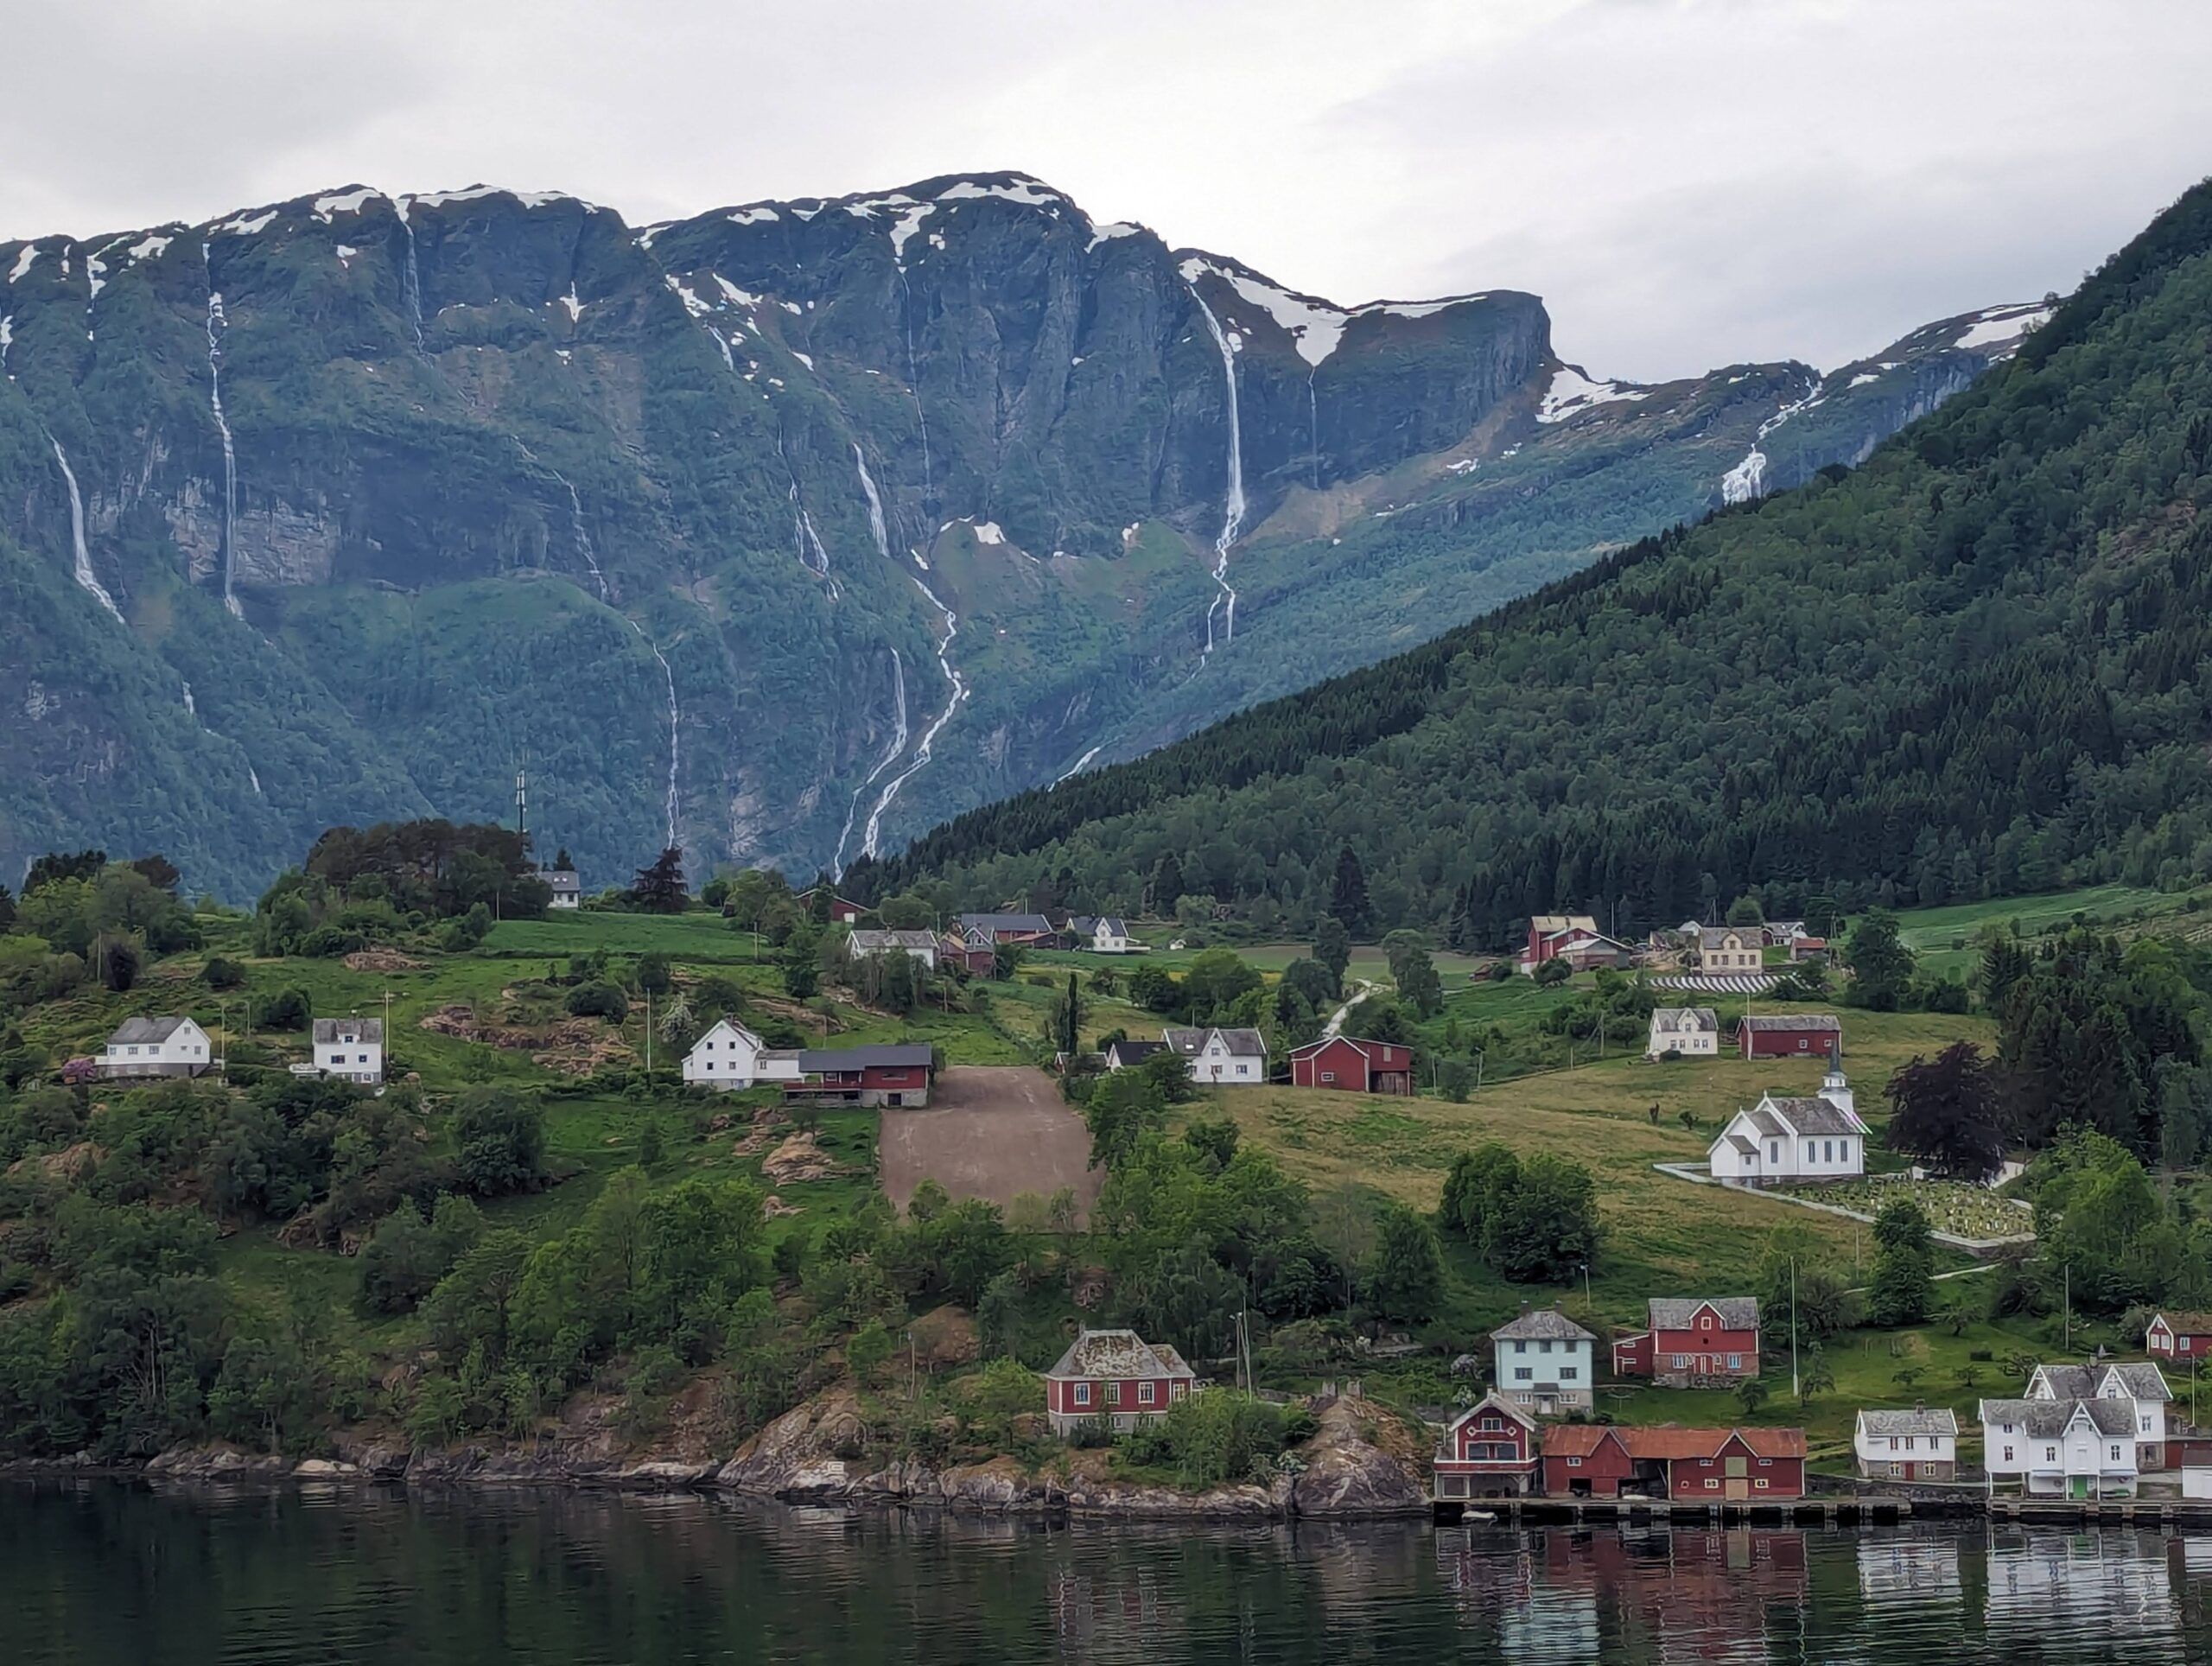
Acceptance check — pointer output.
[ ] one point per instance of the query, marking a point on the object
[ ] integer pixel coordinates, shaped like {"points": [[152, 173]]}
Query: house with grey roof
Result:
{"points": [[2140, 1385], [1103, 934], [351, 1049], [1220, 1058], [1779, 1139], [1689, 1032], [2060, 1448], [1544, 1361], [169, 1045], [1116, 1377], [918, 945], [1919, 1445]]}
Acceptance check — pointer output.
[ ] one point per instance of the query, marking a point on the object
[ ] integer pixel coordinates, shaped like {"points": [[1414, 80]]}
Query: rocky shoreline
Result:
{"points": [[1357, 1466]]}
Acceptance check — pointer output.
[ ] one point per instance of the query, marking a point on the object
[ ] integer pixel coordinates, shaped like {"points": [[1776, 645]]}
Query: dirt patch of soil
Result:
{"points": [[993, 1132], [799, 1158], [382, 960]]}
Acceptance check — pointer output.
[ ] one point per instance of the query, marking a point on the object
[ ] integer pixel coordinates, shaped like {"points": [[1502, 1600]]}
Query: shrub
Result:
{"points": [[502, 1139], [598, 1000], [221, 974], [288, 1009]]}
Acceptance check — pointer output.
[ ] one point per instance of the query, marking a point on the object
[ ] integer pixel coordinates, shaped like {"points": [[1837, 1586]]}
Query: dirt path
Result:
{"points": [[990, 1133]]}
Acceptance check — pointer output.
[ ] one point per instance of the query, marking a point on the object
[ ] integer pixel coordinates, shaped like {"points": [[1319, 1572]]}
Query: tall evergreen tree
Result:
{"points": [[659, 887], [1348, 893]]}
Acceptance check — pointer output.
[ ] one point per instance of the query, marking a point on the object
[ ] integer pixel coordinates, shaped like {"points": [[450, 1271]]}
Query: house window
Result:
{"points": [[1735, 1362], [1827, 1151], [1681, 1361], [1893, 1443], [1175, 1391], [1808, 1151], [1328, 1076], [1144, 1394], [2051, 1455], [1520, 1347], [1774, 1151], [1113, 1394], [2008, 1454], [1082, 1394], [1543, 1347], [1761, 1482], [1574, 1463], [1521, 1373], [1491, 1423], [1569, 1373], [2115, 1454], [1803, 1044], [1713, 1486]]}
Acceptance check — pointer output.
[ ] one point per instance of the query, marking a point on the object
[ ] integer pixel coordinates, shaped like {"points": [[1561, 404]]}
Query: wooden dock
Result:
{"points": [[1663, 1513]]}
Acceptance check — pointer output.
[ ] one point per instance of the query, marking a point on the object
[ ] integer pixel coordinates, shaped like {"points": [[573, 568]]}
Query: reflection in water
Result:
{"points": [[108, 1575]]}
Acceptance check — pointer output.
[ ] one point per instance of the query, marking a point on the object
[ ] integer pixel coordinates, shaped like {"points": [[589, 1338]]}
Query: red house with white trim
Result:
{"points": [[894, 1075], [1354, 1067], [1737, 1466], [843, 910], [2178, 1336], [1489, 1451], [1116, 1376], [1693, 1341], [1790, 1035]]}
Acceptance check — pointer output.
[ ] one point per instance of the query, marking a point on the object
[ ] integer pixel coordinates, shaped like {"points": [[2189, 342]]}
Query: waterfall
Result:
{"points": [[1233, 510], [812, 555], [1747, 480], [1080, 764], [914, 387], [872, 837], [411, 279], [582, 537], [875, 504], [890, 757], [675, 717], [217, 323], [85, 576], [1314, 425]]}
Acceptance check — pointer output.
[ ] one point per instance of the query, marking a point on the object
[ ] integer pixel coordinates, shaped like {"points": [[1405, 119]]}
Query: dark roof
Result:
{"points": [[1190, 1039], [2048, 1418], [136, 1030], [1675, 1312], [1684, 1018], [1816, 1116], [2182, 1324], [1822, 1022], [897, 1055], [1716, 937], [1135, 1052], [1007, 922], [1542, 1322], [560, 878], [1119, 1354], [369, 1029], [2141, 1380]]}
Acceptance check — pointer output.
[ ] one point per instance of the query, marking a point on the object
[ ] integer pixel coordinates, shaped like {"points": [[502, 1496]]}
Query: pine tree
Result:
{"points": [[1348, 893], [659, 887]]}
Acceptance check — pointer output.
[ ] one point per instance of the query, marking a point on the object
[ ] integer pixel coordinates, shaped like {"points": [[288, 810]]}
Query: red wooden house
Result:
{"points": [[1489, 1451], [1738, 1466], [2178, 1336], [1115, 1376], [896, 1075], [973, 954], [1692, 1341], [1790, 1035], [1355, 1066], [842, 909]]}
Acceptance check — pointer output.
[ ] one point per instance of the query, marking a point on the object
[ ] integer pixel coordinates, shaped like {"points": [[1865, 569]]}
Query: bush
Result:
{"points": [[288, 1009], [221, 974], [502, 1138], [330, 942], [598, 1000]]}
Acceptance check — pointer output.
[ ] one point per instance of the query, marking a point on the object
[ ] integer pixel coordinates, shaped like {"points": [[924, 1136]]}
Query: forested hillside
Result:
{"points": [[1972, 667]]}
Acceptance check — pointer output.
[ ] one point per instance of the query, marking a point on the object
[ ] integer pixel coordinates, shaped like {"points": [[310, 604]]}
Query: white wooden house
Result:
{"points": [[1722, 949], [1220, 1058], [916, 946], [729, 1057], [157, 1046], [1919, 1445], [2060, 1448], [1103, 934], [1544, 1361], [1692, 1032], [351, 1049], [1819, 1138], [2141, 1387]]}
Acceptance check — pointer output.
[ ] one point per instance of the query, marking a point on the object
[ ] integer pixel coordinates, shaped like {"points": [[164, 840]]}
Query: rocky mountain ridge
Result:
{"points": [[780, 531]]}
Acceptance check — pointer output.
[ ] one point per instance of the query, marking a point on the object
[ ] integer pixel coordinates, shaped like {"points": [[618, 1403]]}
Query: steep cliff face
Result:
{"points": [[779, 532]]}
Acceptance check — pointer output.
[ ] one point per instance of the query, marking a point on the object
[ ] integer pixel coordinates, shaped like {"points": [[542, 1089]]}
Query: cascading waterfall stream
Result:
{"points": [[914, 386], [872, 835], [1080, 764], [1747, 480], [875, 525], [410, 278], [1313, 426], [86, 577], [899, 734], [217, 325], [1233, 513], [675, 713]]}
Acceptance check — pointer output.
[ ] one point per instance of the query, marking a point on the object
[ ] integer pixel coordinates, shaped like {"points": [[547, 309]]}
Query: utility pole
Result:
{"points": [[1794, 1391], [2066, 1310], [648, 1035]]}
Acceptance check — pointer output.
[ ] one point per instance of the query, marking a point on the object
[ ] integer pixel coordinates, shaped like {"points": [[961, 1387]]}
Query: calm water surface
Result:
{"points": [[110, 1575]]}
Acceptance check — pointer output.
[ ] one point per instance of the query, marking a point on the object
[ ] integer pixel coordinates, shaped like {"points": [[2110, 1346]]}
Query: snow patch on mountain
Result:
{"points": [[1109, 231], [2002, 327], [250, 225], [1019, 187], [758, 214], [149, 247], [345, 202], [24, 260], [1315, 327], [1573, 390], [989, 532]]}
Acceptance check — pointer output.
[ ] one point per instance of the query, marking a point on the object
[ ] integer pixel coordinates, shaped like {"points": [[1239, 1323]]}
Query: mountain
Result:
{"points": [[781, 532], [1975, 666]]}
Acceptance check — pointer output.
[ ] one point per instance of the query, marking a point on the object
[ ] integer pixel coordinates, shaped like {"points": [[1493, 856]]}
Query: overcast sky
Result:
{"points": [[1687, 182]]}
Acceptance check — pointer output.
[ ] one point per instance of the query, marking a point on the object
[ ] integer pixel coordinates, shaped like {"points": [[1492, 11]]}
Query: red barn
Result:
{"points": [[1693, 1341], [896, 1076], [2178, 1336], [842, 909], [1489, 1451], [1550, 933], [1738, 1466], [1790, 1035], [1355, 1066], [1588, 1460], [1116, 1376]]}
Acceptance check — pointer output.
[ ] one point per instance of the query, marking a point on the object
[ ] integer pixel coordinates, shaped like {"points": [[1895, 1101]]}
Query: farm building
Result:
{"points": [[1339, 1061], [1790, 1035], [1220, 1058], [896, 1076]]}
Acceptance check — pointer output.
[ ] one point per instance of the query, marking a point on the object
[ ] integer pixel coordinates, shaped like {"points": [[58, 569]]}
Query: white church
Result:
{"points": [[1817, 1139]]}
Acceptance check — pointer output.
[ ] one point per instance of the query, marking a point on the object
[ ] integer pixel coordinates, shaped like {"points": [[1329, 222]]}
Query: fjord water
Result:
{"points": [[110, 1575]]}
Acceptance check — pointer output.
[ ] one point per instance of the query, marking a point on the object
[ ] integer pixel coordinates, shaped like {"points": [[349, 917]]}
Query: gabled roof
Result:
{"points": [[1546, 1324], [2183, 1324], [2139, 1381], [1826, 1023], [1119, 1354], [1675, 1313], [1493, 1402], [1550, 925], [1189, 1040], [897, 1055], [1088, 925], [1580, 1440], [876, 942], [560, 878], [327, 1030], [1685, 1018], [1135, 1052], [1939, 1419], [1769, 1128], [2047, 1419], [1036, 923], [1667, 1444], [730, 1028], [139, 1031], [1815, 1116], [1716, 937], [2142, 1380], [1249, 1044], [1366, 1049]]}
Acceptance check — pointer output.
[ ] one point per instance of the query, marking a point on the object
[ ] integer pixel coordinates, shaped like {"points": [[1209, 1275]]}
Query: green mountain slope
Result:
{"points": [[1974, 666]]}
